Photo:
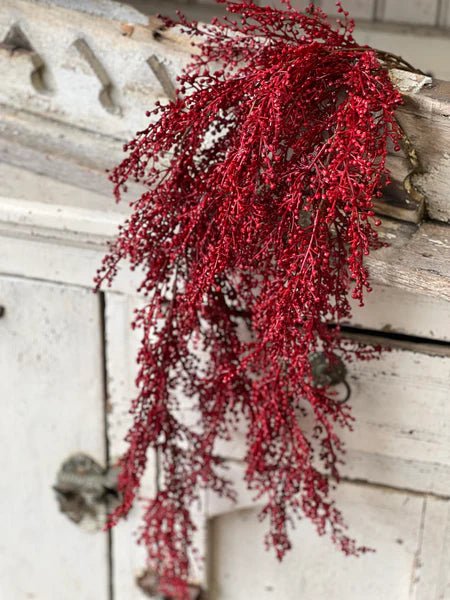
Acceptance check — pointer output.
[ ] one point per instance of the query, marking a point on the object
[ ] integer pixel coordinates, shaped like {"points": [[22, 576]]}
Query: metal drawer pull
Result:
{"points": [[85, 491], [148, 583], [329, 373]]}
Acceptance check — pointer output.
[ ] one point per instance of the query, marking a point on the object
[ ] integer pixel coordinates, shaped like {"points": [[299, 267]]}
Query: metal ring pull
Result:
{"points": [[329, 372]]}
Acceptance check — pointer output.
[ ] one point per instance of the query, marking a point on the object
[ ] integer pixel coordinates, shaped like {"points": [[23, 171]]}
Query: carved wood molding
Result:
{"points": [[99, 75]]}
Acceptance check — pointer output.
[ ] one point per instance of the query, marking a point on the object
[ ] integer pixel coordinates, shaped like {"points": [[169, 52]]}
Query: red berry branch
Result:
{"points": [[258, 212]]}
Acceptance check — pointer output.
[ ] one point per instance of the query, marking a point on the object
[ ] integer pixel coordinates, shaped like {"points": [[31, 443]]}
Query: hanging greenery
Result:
{"points": [[252, 232]]}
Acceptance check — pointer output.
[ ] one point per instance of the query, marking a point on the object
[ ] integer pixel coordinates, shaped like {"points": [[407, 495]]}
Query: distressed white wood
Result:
{"points": [[423, 12], [314, 570], [432, 143], [416, 261], [387, 409], [51, 398], [388, 309], [402, 411], [401, 438], [128, 558], [121, 350], [432, 573], [393, 310], [54, 224], [57, 35], [401, 434], [73, 264], [77, 157], [22, 184], [58, 150], [99, 78], [52, 219], [74, 83], [359, 9], [49, 259], [76, 263]]}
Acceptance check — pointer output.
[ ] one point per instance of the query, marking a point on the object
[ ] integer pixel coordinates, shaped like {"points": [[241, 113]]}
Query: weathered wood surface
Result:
{"points": [[426, 118], [52, 407], [72, 93], [59, 151], [401, 437], [121, 350], [401, 440], [42, 208], [403, 443], [95, 74], [66, 242], [121, 344], [70, 155], [401, 407], [393, 310], [417, 259], [408, 531], [95, 71], [391, 522]]}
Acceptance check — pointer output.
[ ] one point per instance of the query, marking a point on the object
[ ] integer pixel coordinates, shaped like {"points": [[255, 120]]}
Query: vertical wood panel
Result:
{"points": [[359, 9], [444, 14], [432, 576], [421, 12], [122, 345], [129, 558], [51, 398]]}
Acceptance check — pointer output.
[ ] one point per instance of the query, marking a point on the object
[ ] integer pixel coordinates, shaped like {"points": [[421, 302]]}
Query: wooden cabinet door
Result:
{"points": [[52, 406]]}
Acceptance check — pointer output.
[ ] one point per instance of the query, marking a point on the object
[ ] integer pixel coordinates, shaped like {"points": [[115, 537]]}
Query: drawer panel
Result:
{"points": [[401, 436]]}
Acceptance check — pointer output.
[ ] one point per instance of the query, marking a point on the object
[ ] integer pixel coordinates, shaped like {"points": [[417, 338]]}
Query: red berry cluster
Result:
{"points": [[257, 215]]}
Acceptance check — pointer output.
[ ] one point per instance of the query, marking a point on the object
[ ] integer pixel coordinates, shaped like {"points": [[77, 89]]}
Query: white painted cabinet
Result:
{"points": [[394, 495]]}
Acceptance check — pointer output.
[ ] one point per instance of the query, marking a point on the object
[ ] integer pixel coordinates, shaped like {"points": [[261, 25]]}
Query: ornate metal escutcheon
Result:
{"points": [[85, 491]]}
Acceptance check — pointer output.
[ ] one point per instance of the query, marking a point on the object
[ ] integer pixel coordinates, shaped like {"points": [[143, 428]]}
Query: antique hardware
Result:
{"points": [[85, 491], [329, 372], [149, 584]]}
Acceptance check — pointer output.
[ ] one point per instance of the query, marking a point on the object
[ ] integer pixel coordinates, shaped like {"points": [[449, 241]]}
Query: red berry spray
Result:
{"points": [[257, 215]]}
